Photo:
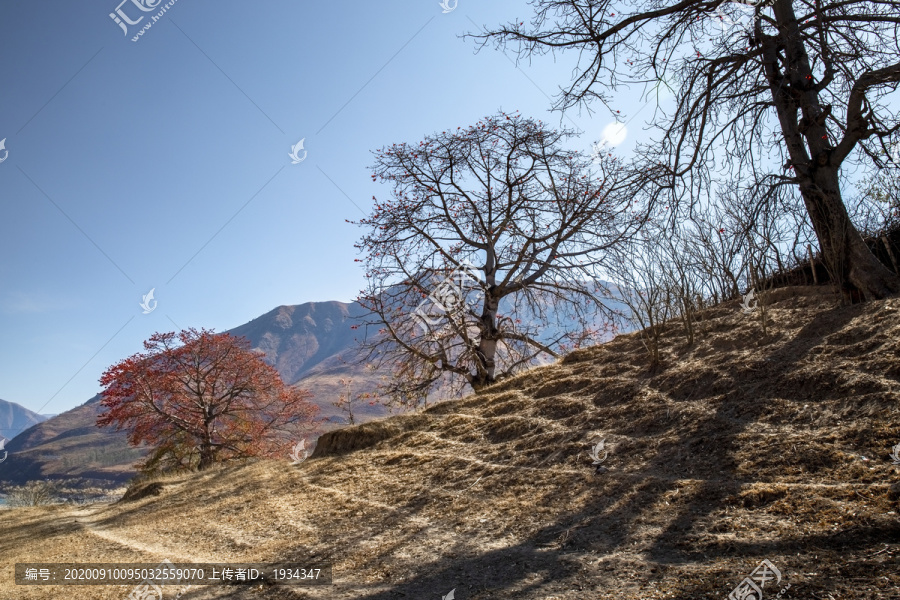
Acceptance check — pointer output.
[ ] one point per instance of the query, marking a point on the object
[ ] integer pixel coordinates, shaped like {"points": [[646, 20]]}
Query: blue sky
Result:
{"points": [[163, 163]]}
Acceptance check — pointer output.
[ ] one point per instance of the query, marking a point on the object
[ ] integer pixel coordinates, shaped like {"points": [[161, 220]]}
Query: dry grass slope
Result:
{"points": [[733, 451]]}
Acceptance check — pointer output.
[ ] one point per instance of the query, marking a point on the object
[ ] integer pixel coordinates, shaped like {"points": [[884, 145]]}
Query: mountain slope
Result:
{"points": [[313, 346], [297, 338], [736, 450], [70, 445]]}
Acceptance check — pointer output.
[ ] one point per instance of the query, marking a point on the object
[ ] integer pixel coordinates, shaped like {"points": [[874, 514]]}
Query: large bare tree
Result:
{"points": [[481, 261], [773, 93]]}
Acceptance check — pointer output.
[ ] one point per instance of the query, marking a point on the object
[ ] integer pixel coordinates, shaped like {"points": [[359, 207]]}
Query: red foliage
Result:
{"points": [[205, 396]]}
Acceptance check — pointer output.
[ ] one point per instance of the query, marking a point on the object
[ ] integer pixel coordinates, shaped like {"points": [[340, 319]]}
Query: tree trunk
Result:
{"points": [[207, 451], [812, 264], [802, 117], [486, 368], [206, 458], [851, 264], [887, 246]]}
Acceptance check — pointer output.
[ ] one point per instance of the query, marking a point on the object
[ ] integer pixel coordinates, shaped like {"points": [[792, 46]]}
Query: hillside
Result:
{"points": [[70, 445], [739, 449], [311, 345]]}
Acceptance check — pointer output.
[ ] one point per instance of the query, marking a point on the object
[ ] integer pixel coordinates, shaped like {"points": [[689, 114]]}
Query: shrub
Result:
{"points": [[33, 493]]}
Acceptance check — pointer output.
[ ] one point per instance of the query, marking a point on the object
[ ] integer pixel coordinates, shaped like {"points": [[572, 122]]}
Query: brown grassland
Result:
{"points": [[737, 449]]}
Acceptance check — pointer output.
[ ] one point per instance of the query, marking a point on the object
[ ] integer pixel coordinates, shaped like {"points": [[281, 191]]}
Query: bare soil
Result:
{"points": [[738, 449]]}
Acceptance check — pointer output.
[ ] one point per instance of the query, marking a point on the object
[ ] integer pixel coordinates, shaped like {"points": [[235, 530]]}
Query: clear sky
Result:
{"points": [[164, 163]]}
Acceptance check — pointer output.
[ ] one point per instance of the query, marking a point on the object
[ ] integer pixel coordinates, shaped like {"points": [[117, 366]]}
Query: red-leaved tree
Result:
{"points": [[198, 398]]}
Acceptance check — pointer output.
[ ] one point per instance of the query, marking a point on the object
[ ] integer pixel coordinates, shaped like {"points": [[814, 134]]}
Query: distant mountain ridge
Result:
{"points": [[14, 419], [70, 446]]}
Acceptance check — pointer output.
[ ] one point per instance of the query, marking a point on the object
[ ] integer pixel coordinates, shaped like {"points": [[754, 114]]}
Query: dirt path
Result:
{"points": [[88, 518]]}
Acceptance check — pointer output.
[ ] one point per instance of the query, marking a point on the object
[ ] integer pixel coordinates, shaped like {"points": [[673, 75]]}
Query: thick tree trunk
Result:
{"points": [[850, 262], [803, 119]]}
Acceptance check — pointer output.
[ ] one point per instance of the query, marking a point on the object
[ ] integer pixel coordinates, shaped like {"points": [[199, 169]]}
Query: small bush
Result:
{"points": [[142, 490]]}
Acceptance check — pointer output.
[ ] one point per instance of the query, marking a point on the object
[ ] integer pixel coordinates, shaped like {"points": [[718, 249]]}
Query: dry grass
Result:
{"points": [[735, 450]]}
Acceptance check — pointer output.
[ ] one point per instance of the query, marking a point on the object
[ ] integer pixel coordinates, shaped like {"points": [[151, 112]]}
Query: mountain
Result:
{"points": [[14, 419], [741, 448], [311, 345], [297, 338]]}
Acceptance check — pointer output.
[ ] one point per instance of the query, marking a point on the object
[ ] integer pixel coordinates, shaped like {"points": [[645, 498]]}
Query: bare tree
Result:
{"points": [[642, 284], [760, 279], [785, 96], [33, 493], [683, 278], [347, 401], [713, 241], [499, 228]]}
